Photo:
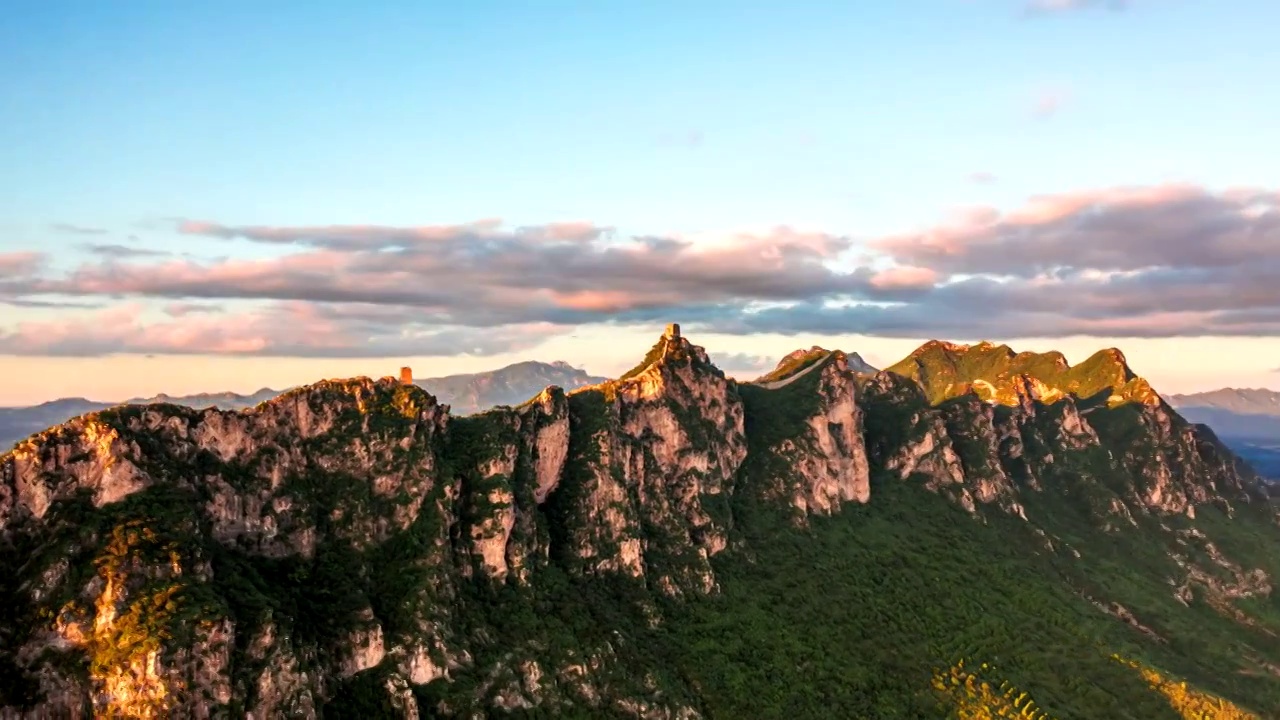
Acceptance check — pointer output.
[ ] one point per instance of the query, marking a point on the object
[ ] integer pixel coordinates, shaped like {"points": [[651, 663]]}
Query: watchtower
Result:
{"points": [[406, 376], [673, 331]]}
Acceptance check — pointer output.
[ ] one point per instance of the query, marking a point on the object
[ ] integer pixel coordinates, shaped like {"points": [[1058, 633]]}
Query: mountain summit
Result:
{"points": [[997, 374], [943, 539]]}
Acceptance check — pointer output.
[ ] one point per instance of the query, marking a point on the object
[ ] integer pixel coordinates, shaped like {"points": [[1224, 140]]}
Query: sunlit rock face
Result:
{"points": [[345, 542], [1043, 412], [817, 461], [83, 455], [649, 453]]}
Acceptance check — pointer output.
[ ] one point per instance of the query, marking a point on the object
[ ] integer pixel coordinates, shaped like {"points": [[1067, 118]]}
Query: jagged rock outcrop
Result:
{"points": [[815, 460], [342, 542], [651, 460], [346, 464], [833, 462], [85, 455], [346, 477], [1040, 401], [511, 460]]}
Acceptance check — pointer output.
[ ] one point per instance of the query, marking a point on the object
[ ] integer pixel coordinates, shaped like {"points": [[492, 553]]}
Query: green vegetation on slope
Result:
{"points": [[947, 371], [852, 616], [859, 607]]}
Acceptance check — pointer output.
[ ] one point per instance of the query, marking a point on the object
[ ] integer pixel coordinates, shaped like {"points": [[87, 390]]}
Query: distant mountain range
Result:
{"points": [[1247, 419], [464, 393], [470, 393], [17, 423], [1240, 401]]}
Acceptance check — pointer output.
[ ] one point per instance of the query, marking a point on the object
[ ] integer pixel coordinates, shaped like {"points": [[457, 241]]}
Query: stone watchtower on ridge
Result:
{"points": [[673, 331], [406, 376]]}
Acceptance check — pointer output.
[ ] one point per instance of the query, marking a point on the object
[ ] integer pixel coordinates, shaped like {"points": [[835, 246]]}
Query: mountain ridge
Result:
{"points": [[547, 556], [466, 392], [1252, 401], [998, 374], [1248, 419]]}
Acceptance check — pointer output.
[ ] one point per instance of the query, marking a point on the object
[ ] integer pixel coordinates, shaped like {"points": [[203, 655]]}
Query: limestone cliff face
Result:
{"points": [[247, 465], [514, 461], [346, 464], [344, 542], [364, 497], [84, 455], [652, 459], [818, 460], [835, 468], [1035, 414], [906, 437]]}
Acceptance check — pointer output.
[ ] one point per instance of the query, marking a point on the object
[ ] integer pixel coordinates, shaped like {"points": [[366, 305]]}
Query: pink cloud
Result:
{"points": [[179, 309], [1159, 324], [514, 276], [1043, 209], [292, 329], [1159, 260], [576, 231], [21, 263], [1110, 228], [905, 278], [341, 236], [595, 301], [123, 328]]}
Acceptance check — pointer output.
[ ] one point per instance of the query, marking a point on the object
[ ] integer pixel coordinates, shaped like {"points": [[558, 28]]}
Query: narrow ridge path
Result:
{"points": [[775, 384]]}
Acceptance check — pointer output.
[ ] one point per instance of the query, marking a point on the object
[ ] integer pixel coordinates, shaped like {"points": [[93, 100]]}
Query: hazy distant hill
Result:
{"points": [[223, 400], [1247, 419], [19, 422], [1241, 401], [465, 393], [511, 385]]}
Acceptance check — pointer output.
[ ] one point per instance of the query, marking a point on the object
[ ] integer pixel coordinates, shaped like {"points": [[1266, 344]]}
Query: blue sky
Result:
{"points": [[690, 120]]}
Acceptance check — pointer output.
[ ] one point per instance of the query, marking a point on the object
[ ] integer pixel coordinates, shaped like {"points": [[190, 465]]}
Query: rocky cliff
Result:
{"points": [[1022, 415], [351, 548]]}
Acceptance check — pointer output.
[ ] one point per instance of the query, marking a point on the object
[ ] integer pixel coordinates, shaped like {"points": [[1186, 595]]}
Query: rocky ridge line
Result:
{"points": [[631, 479]]}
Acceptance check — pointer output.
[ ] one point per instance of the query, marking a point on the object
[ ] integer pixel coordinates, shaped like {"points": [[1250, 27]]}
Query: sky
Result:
{"points": [[201, 197]]}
